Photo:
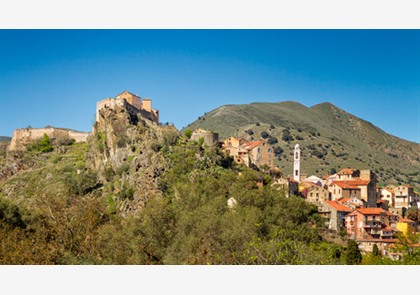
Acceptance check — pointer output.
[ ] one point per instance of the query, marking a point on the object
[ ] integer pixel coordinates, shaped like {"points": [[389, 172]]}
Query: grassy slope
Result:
{"points": [[348, 141]]}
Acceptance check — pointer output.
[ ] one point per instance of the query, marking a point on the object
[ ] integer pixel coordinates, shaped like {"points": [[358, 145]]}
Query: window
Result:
{"points": [[297, 155], [296, 172]]}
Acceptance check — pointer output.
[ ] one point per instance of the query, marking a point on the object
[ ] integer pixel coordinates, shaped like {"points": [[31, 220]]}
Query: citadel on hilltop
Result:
{"points": [[132, 103]]}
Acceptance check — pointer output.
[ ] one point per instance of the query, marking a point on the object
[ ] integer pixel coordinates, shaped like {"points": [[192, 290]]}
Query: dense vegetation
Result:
{"points": [[63, 217]]}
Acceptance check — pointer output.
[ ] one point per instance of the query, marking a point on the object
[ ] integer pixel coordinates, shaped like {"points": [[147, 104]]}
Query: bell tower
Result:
{"points": [[296, 165]]}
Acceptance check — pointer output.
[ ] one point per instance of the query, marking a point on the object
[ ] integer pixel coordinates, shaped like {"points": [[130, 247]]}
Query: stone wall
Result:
{"points": [[210, 138], [24, 136]]}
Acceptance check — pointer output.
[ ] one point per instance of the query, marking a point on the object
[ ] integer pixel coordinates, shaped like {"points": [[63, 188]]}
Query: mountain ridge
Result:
{"points": [[343, 139]]}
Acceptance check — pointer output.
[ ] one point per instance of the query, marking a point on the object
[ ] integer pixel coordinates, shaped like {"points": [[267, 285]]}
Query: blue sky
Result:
{"points": [[55, 77]]}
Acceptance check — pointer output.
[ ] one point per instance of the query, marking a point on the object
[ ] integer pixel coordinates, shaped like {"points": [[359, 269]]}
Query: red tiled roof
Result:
{"points": [[338, 206], [343, 200], [370, 211], [405, 220], [350, 184], [251, 145]]}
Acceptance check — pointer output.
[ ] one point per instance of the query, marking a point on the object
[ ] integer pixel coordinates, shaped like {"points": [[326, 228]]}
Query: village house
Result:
{"points": [[251, 154], [355, 184], [352, 203], [367, 224], [335, 212], [388, 194], [404, 197], [315, 180], [406, 225], [317, 194], [288, 185]]}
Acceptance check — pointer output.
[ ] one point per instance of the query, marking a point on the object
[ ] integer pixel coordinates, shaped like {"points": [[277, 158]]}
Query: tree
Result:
{"points": [[413, 214], [188, 133], [375, 251], [353, 255]]}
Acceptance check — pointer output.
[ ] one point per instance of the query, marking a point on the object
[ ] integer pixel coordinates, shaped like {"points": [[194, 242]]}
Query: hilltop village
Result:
{"points": [[350, 201]]}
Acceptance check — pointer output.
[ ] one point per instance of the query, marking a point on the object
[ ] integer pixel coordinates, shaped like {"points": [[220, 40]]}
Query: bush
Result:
{"points": [[81, 183], [250, 132], [287, 136], [188, 133], [43, 145], [278, 151], [272, 140], [264, 134]]}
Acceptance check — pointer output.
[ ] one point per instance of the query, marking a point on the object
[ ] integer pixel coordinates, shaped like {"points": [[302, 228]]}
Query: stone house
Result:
{"points": [[288, 185], [337, 213], [362, 188], [404, 197], [317, 194], [251, 154], [347, 174]]}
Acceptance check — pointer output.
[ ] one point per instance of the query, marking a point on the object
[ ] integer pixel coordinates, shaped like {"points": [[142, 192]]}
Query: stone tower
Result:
{"points": [[296, 165]]}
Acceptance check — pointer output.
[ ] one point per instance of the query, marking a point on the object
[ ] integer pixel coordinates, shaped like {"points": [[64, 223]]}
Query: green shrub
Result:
{"points": [[43, 145]]}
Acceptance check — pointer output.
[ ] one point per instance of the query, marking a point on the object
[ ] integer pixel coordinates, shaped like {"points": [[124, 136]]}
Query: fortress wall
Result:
{"points": [[79, 136], [24, 136], [109, 103]]}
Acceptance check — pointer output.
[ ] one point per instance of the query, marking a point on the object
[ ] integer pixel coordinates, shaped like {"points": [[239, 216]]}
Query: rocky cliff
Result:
{"points": [[126, 151]]}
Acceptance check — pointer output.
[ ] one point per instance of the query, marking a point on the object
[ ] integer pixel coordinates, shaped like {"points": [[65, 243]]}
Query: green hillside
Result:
{"points": [[329, 137]]}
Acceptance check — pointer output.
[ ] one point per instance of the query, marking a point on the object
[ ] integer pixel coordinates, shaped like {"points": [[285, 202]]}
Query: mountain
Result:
{"points": [[5, 139], [330, 138]]}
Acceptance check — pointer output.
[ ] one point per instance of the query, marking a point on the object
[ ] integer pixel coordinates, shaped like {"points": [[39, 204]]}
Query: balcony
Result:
{"points": [[373, 225]]}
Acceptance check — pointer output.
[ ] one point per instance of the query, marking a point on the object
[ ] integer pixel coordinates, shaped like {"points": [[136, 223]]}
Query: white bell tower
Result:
{"points": [[296, 165]]}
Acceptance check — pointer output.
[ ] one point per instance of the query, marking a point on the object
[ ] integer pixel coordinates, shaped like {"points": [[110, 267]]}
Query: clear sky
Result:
{"points": [[55, 77]]}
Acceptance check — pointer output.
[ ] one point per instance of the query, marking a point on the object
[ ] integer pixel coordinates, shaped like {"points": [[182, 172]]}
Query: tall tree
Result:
{"points": [[353, 255]]}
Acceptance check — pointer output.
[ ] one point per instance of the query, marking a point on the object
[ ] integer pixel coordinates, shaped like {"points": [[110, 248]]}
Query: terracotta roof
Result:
{"points": [[346, 171], [350, 184], [338, 206], [251, 145], [371, 211], [343, 200], [389, 213], [389, 189], [405, 220]]}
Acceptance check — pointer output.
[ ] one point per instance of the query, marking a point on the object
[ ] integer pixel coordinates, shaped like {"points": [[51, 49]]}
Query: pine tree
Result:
{"points": [[353, 255]]}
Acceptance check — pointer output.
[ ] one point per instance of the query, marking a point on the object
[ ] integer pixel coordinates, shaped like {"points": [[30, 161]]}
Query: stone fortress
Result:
{"points": [[132, 103], [24, 136]]}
